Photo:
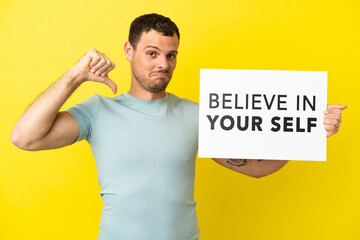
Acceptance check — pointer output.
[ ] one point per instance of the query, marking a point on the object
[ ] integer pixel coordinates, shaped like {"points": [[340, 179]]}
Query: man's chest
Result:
{"points": [[153, 141]]}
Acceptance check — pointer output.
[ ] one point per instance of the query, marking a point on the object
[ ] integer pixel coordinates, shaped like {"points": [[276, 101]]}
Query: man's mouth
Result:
{"points": [[159, 74]]}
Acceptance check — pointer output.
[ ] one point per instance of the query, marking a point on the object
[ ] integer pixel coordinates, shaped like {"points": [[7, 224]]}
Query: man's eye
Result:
{"points": [[151, 54], [171, 55]]}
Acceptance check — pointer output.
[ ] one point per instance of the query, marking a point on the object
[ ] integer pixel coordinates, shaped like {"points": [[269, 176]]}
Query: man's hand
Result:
{"points": [[95, 66], [42, 126], [332, 118]]}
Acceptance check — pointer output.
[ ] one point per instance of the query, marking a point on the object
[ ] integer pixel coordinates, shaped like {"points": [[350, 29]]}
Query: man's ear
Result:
{"points": [[129, 50]]}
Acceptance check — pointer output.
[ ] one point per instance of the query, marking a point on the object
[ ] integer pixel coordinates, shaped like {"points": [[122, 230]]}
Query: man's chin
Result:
{"points": [[163, 79], [159, 84], [157, 87]]}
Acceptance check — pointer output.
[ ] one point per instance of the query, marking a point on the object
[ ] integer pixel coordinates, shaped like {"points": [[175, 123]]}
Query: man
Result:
{"points": [[144, 141]]}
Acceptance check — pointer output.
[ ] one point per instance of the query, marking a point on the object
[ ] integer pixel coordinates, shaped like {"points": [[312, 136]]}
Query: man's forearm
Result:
{"points": [[252, 167], [261, 168], [40, 115]]}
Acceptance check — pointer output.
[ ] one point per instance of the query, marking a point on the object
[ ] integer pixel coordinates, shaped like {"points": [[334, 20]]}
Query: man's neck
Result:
{"points": [[146, 95]]}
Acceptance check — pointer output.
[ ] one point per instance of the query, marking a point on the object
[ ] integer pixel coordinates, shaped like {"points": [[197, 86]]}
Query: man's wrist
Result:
{"points": [[74, 78]]}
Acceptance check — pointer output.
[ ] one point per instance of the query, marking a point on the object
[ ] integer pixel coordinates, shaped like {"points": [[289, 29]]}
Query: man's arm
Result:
{"points": [[42, 126], [256, 168], [260, 168]]}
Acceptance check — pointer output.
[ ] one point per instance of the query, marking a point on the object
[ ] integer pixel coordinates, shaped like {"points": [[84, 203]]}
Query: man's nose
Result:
{"points": [[163, 62]]}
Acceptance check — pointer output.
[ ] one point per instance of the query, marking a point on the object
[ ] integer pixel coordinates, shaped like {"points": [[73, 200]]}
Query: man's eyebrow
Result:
{"points": [[151, 46]]}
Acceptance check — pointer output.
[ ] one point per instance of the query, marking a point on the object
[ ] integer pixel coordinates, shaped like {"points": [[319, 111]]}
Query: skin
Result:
{"points": [[153, 61], [261, 168], [152, 64], [42, 126]]}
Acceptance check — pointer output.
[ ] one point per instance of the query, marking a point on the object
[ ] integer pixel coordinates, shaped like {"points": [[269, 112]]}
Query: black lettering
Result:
{"points": [[236, 102], [298, 129], [277, 125], [212, 121], [280, 102], [212, 99], [306, 100], [247, 101], [226, 100], [297, 102], [287, 124], [246, 124], [223, 120], [255, 101], [267, 103], [256, 122], [310, 124]]}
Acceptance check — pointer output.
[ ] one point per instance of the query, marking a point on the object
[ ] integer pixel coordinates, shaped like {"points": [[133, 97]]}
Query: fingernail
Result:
{"points": [[93, 70]]}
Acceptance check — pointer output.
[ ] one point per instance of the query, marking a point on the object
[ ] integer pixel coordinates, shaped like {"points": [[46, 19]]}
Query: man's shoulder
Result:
{"points": [[184, 101], [101, 99], [184, 108], [95, 102]]}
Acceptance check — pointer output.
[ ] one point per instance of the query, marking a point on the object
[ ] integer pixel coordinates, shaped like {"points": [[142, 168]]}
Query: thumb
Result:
{"points": [[106, 80], [111, 84]]}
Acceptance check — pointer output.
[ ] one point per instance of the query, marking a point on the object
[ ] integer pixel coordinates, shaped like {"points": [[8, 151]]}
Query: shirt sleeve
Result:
{"points": [[85, 114]]}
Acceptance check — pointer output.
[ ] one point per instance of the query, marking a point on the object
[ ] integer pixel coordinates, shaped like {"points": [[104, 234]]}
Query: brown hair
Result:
{"points": [[147, 22]]}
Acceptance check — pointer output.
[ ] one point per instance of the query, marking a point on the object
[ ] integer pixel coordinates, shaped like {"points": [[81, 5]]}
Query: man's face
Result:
{"points": [[154, 60]]}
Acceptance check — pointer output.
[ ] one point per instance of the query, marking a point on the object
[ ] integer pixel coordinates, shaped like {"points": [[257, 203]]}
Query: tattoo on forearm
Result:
{"points": [[237, 162]]}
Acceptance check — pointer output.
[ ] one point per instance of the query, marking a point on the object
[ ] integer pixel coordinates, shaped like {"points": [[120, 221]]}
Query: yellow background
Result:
{"points": [[55, 194]]}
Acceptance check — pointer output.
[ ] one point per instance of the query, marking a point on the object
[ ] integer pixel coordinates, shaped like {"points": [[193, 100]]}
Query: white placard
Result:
{"points": [[262, 114]]}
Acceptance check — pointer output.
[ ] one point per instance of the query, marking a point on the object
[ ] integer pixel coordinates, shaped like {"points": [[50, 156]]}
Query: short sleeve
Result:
{"points": [[85, 114]]}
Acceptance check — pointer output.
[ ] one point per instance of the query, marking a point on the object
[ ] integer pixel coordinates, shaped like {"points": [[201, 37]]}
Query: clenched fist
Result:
{"points": [[95, 66], [332, 118]]}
